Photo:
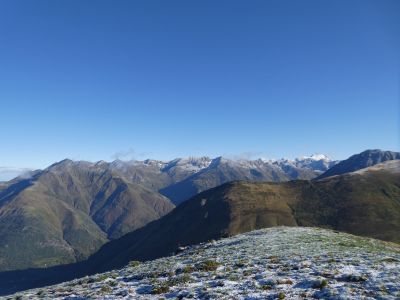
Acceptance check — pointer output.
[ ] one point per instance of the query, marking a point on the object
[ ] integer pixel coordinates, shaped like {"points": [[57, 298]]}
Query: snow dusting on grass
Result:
{"points": [[274, 263]]}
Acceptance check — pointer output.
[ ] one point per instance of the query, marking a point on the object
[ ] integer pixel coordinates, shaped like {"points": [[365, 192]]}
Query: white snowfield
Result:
{"points": [[275, 263]]}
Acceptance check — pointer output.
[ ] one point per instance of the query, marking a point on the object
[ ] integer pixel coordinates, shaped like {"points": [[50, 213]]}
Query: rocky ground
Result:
{"points": [[275, 263]]}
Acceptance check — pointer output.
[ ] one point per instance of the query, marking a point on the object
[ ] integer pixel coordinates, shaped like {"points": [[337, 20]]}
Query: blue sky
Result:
{"points": [[162, 79]]}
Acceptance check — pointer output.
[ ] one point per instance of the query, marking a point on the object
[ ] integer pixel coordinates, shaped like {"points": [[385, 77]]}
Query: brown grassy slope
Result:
{"points": [[363, 204]]}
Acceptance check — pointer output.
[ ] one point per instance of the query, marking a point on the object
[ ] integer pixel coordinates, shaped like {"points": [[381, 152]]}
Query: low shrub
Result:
{"points": [[320, 284], [160, 289], [134, 263], [208, 265], [105, 289]]}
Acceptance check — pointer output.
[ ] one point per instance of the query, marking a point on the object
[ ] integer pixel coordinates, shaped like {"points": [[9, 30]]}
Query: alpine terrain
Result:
{"points": [[66, 212], [275, 263], [364, 202]]}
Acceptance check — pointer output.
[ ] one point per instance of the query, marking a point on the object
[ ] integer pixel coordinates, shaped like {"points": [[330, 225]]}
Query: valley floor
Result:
{"points": [[274, 263]]}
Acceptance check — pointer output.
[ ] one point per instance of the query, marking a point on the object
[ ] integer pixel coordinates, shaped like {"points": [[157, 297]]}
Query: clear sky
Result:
{"points": [[163, 79]]}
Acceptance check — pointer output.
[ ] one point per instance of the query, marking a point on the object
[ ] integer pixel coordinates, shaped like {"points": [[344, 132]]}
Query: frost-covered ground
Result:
{"points": [[275, 263]]}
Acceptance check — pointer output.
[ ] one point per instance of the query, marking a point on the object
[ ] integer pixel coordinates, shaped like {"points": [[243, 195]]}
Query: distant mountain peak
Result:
{"points": [[361, 160], [191, 164], [65, 161], [195, 161], [101, 163]]}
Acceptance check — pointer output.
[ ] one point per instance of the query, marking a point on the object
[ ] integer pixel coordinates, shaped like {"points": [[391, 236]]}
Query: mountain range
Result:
{"points": [[364, 202], [359, 161], [183, 178], [69, 210]]}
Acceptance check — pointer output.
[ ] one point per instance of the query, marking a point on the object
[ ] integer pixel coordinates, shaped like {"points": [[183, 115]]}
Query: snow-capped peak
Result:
{"points": [[193, 164]]}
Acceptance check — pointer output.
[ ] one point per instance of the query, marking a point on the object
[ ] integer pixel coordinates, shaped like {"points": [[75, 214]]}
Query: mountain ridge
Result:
{"points": [[71, 208], [361, 160], [102, 201], [363, 203], [334, 202], [67, 211]]}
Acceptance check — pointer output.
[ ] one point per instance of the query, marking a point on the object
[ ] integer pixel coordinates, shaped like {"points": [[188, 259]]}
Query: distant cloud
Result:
{"points": [[129, 154], [8, 173], [248, 155]]}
